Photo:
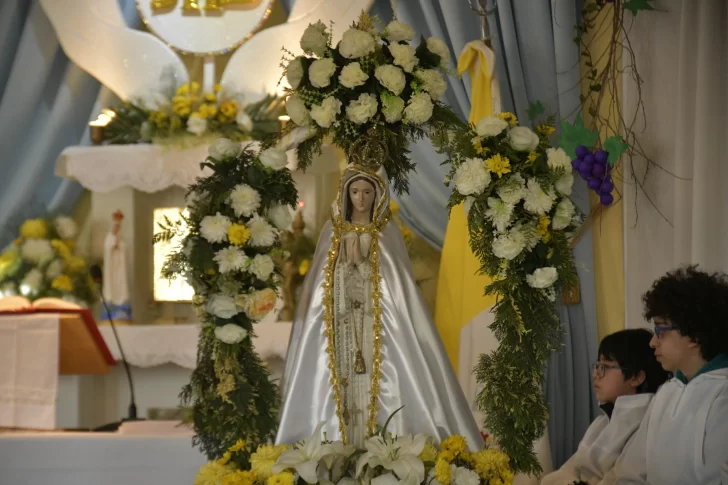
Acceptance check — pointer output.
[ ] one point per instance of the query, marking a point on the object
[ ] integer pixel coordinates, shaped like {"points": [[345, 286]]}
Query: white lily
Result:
{"points": [[338, 457], [397, 454], [305, 456]]}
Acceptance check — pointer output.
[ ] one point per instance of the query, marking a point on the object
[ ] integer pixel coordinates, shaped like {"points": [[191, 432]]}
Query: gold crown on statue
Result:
{"points": [[369, 151]]}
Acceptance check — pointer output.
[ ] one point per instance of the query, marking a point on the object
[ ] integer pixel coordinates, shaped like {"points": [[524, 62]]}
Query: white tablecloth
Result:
{"points": [[97, 459]]}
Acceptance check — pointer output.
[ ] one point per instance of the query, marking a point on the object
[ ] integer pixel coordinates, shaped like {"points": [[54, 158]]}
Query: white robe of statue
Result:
{"points": [[115, 283]]}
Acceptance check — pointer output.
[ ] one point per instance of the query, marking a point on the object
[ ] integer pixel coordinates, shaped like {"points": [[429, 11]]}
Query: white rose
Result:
{"points": [[361, 110], [222, 306], [214, 228], [325, 113], [295, 72], [538, 201], [296, 109], [320, 72], [391, 77], [523, 139], [315, 39], [356, 43], [196, 125], [433, 82], [352, 76], [404, 56], [230, 333], [436, 46], [491, 126], [244, 200], [66, 227], [392, 107], [280, 216], [38, 251], [564, 214], [223, 148], [262, 266], [510, 245], [419, 109], [54, 269], [471, 177], [542, 277], [557, 158], [274, 158], [33, 281], [398, 32], [244, 121], [563, 185]]}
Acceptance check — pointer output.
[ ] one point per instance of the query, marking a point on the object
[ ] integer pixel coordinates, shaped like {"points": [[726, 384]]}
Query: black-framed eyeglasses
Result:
{"points": [[600, 370], [661, 329]]}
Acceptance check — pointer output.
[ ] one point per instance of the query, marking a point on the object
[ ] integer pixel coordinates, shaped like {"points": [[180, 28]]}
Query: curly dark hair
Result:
{"points": [[696, 304]]}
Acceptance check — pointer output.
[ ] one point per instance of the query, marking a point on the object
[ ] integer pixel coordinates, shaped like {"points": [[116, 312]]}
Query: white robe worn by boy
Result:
{"points": [[602, 443]]}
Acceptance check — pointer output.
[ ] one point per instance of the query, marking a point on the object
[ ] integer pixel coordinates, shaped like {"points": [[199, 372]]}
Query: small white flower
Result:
{"points": [[295, 72], [262, 234], [315, 39], [436, 46], [352, 76], [491, 126], [244, 200], [392, 108], [33, 280], [391, 77], [542, 278], [419, 109], [222, 306], [471, 177], [564, 215], [325, 113], [565, 183], [262, 266], [37, 251], [356, 43], [513, 190], [214, 228], [223, 148], [433, 82], [280, 215], [66, 227], [509, 245], [537, 200], [244, 121], [274, 157], [398, 32], [230, 259], [320, 72], [523, 139], [404, 56], [296, 109], [230, 333], [362, 109], [500, 213], [557, 158], [54, 269], [196, 125]]}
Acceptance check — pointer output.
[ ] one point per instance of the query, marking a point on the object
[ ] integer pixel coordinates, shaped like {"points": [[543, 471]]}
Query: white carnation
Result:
{"points": [[436, 46], [500, 213], [230, 333], [491, 126], [508, 246], [392, 107], [262, 266], [325, 113], [280, 215], [404, 56], [244, 121], [32, 281], [398, 32], [37, 251], [262, 234], [196, 125], [356, 43], [54, 269], [557, 158], [433, 82], [391, 77], [419, 109], [361, 110], [513, 190], [222, 306], [463, 476], [320, 72], [523, 139], [66, 227], [542, 277], [537, 201], [352, 76], [471, 177], [315, 39], [295, 72], [564, 214], [274, 157], [296, 109], [565, 182], [223, 148], [230, 259], [244, 200], [215, 228]]}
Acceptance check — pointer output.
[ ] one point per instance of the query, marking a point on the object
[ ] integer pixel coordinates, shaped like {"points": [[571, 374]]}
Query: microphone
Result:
{"points": [[97, 276]]}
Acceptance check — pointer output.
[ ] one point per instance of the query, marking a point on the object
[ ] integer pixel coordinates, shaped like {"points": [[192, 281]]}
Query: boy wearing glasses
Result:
{"points": [[625, 379], [683, 438]]}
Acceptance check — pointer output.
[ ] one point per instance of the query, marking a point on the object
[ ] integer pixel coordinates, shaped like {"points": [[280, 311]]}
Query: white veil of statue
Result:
{"points": [[363, 343]]}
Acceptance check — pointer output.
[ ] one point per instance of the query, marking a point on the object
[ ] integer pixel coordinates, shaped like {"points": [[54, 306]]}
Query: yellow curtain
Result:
{"points": [[459, 287]]}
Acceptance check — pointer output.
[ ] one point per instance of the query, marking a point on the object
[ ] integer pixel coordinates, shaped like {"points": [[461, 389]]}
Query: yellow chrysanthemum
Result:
{"points": [[304, 267], [207, 111], [159, 118], [183, 90], [429, 453], [283, 478], [443, 473], [194, 87], [210, 98], [545, 129], [175, 123], [498, 165], [492, 465], [478, 145], [70, 243], [34, 229], [262, 461], [453, 445], [62, 283], [75, 264], [18, 241], [217, 88], [225, 458], [229, 108], [212, 473], [509, 117], [543, 228], [181, 105], [239, 478], [532, 157], [61, 248], [238, 234], [239, 445], [407, 234]]}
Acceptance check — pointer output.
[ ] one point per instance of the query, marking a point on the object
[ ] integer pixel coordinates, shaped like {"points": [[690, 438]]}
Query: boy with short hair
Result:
{"points": [[683, 438]]}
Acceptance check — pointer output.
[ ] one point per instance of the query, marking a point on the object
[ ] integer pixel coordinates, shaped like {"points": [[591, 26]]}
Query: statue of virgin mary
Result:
{"points": [[363, 343]]}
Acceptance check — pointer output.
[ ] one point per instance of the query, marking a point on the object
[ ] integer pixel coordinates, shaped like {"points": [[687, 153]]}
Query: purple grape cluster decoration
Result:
{"points": [[593, 168]]}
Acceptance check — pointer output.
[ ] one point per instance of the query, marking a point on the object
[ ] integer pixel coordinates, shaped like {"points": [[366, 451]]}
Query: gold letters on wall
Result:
{"points": [[193, 5]]}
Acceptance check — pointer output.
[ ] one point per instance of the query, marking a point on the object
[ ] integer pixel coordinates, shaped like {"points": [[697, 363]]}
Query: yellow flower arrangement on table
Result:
{"points": [[42, 263]]}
